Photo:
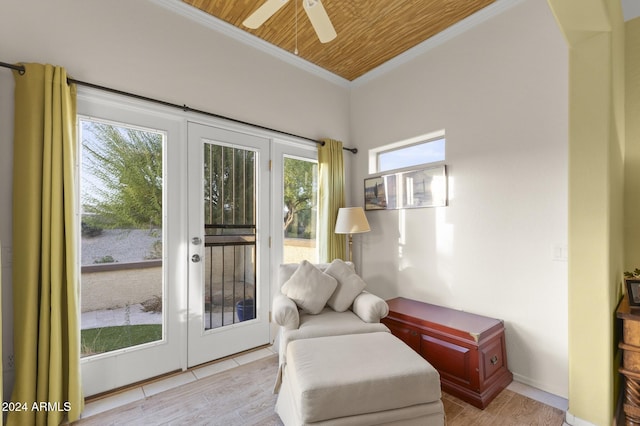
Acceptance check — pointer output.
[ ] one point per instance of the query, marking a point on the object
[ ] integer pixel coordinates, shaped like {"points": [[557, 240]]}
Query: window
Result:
{"points": [[420, 150], [300, 209], [122, 239]]}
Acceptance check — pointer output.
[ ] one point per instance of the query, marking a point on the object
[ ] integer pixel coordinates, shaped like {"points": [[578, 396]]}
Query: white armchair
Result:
{"points": [[323, 300], [367, 306]]}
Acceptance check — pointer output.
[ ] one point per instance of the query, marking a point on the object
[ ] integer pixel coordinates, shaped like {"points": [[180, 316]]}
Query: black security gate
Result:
{"points": [[230, 235], [230, 290]]}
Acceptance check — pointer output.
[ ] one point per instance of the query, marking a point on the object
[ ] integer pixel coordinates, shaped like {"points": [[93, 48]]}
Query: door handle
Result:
{"points": [[195, 258]]}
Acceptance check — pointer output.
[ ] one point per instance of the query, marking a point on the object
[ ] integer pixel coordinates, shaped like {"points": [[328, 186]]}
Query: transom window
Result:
{"points": [[424, 149]]}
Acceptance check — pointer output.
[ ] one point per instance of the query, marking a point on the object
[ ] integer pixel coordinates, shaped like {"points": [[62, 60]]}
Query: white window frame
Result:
{"points": [[374, 166]]}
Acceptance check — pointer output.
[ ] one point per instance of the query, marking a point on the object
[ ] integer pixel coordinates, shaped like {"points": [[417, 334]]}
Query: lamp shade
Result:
{"points": [[351, 220]]}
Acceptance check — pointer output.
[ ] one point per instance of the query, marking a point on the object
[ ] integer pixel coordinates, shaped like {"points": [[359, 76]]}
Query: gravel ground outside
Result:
{"points": [[123, 245]]}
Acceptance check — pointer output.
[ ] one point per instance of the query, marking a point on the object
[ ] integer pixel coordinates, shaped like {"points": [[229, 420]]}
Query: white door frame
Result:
{"points": [[281, 148], [104, 372], [206, 345]]}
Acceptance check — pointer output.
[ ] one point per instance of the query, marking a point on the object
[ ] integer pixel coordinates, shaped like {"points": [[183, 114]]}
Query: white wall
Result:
{"points": [[140, 47], [500, 92]]}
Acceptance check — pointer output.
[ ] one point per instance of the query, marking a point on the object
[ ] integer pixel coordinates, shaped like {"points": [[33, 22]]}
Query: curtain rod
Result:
{"points": [[185, 108]]}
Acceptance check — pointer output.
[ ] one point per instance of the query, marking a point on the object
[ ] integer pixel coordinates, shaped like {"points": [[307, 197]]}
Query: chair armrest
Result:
{"points": [[369, 307], [285, 312]]}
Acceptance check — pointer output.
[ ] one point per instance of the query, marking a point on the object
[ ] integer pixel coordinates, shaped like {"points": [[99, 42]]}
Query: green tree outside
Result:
{"points": [[126, 165], [300, 197], [126, 189], [229, 180]]}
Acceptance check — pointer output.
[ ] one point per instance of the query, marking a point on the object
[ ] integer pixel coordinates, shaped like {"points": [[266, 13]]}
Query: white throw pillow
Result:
{"points": [[349, 285], [309, 287]]}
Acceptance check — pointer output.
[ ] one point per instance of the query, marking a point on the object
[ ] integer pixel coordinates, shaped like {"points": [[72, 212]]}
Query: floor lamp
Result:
{"points": [[351, 220]]}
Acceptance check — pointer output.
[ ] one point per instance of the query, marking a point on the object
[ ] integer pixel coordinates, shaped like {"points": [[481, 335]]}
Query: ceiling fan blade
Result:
{"points": [[264, 12], [320, 20]]}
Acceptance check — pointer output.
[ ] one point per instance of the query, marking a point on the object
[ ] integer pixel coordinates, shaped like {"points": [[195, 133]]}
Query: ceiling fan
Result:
{"points": [[315, 11]]}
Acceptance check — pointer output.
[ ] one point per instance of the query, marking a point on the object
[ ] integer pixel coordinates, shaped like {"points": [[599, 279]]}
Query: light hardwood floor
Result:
{"points": [[508, 409], [241, 394]]}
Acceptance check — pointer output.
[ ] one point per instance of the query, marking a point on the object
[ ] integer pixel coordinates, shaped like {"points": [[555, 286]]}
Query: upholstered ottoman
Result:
{"points": [[358, 379]]}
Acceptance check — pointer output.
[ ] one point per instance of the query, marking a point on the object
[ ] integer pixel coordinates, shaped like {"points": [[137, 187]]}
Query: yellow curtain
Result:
{"points": [[45, 282], [331, 198], [1, 372]]}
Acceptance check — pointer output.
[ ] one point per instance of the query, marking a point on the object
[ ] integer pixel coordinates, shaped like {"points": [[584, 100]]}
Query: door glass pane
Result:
{"points": [[230, 235], [300, 210], [121, 191]]}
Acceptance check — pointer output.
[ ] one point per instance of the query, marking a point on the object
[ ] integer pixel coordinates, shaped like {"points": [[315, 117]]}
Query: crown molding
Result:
{"points": [[216, 24], [236, 33]]}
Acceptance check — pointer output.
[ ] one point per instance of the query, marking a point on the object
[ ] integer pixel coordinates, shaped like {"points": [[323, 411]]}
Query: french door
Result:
{"points": [[187, 282], [131, 298], [228, 200]]}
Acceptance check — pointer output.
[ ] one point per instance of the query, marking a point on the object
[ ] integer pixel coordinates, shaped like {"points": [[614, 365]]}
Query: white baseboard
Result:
{"points": [[559, 393], [572, 420], [539, 395]]}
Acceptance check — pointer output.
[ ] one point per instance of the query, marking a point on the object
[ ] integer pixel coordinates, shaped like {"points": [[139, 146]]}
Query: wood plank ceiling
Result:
{"points": [[370, 32]]}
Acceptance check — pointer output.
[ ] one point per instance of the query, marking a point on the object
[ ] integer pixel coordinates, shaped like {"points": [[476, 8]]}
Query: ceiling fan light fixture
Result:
{"points": [[315, 11], [319, 20], [264, 12]]}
